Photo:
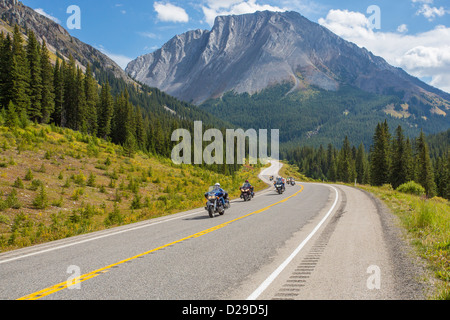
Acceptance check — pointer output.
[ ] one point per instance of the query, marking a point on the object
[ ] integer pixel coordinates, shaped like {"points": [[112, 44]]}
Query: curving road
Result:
{"points": [[313, 242]]}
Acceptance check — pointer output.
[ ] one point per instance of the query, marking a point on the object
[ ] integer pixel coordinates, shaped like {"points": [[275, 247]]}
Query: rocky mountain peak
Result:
{"points": [[250, 52]]}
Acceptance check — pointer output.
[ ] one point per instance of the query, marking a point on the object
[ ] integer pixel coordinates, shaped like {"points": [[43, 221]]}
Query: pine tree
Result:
{"points": [[11, 119], [105, 111], [92, 100], [81, 115], [35, 79], [401, 160], [6, 80], [141, 138], [361, 165], [48, 95], [58, 85], [19, 74], [379, 156], [425, 175], [69, 111], [346, 166]]}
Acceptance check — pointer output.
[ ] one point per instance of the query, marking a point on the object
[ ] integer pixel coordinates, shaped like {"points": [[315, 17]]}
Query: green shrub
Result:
{"points": [[18, 183], [29, 175], [41, 201], [412, 187], [114, 217]]}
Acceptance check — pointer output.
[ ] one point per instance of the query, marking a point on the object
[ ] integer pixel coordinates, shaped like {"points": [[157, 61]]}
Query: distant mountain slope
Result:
{"points": [[248, 53], [59, 40]]}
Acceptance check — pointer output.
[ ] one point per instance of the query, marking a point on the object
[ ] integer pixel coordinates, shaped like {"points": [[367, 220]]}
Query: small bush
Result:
{"points": [[412, 187], [29, 175], [41, 201], [18, 183], [114, 217]]}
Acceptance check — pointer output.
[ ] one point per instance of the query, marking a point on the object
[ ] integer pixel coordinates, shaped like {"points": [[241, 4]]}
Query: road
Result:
{"points": [[313, 242]]}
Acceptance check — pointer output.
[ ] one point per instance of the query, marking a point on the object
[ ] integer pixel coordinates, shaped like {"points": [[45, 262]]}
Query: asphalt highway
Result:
{"points": [[315, 241]]}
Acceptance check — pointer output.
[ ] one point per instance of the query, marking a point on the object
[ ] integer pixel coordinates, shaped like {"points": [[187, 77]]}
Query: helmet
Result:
{"points": [[246, 181], [217, 184]]}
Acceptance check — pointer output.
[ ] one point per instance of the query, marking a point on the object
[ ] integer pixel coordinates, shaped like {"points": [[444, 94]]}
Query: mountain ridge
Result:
{"points": [[58, 39], [248, 53]]}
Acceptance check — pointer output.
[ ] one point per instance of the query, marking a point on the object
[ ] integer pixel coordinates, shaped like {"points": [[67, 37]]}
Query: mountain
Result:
{"points": [[280, 70], [59, 41], [248, 53]]}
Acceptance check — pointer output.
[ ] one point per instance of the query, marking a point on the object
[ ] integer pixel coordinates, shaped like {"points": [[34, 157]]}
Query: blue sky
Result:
{"points": [[411, 34]]}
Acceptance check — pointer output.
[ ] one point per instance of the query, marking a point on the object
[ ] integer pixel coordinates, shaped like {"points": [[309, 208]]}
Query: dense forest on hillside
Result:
{"points": [[314, 117], [392, 159], [35, 88]]}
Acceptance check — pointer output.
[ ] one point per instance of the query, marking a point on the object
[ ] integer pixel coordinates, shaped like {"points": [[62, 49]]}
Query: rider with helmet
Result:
{"points": [[220, 193], [249, 186]]}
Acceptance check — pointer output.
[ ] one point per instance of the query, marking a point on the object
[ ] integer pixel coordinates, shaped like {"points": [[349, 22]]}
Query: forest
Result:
{"points": [[392, 159], [34, 87]]}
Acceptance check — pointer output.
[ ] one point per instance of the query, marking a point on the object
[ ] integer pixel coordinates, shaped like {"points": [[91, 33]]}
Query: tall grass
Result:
{"points": [[428, 223]]}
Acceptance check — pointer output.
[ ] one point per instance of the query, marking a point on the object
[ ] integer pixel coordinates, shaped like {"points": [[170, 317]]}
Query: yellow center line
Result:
{"points": [[61, 286]]}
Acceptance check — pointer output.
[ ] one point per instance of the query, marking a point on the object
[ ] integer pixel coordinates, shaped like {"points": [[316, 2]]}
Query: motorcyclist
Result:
{"points": [[279, 180], [220, 193], [248, 185]]}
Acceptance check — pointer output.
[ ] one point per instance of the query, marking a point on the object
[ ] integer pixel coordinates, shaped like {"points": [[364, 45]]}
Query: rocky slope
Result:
{"points": [[248, 53], [13, 12]]}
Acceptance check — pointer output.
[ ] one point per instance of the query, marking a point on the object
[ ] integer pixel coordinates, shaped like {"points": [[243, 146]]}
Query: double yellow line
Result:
{"points": [[64, 285]]}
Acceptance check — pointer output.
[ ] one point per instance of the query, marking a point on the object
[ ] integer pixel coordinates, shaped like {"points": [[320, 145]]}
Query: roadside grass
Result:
{"points": [[427, 221], [57, 183], [289, 170]]}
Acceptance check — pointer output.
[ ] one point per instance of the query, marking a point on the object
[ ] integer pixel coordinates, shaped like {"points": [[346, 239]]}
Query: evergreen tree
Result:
{"points": [[70, 107], [346, 166], [425, 173], [6, 80], [361, 165], [105, 111], [35, 79], [11, 119], [19, 74], [92, 100], [379, 156], [58, 85], [81, 114], [401, 160], [141, 138], [48, 95]]}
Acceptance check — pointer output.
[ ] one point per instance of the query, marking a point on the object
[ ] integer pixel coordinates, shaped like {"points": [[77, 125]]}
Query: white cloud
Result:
{"points": [[402, 28], [425, 55], [214, 8], [45, 14], [431, 12], [170, 13]]}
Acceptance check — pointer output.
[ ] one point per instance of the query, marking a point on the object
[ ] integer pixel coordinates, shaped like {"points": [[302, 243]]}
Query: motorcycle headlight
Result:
{"points": [[211, 197]]}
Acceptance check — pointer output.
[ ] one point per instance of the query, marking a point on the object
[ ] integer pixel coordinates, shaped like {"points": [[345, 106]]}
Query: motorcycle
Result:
{"points": [[246, 193], [214, 202], [279, 187]]}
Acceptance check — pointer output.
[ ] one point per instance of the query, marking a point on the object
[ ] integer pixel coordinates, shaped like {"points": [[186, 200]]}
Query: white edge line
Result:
{"points": [[280, 269], [95, 238]]}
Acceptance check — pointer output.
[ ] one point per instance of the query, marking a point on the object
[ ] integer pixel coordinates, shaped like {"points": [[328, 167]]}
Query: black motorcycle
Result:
{"points": [[279, 187], [214, 202], [246, 193]]}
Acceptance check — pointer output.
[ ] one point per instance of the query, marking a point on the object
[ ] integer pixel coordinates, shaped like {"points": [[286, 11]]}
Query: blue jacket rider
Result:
{"points": [[220, 193]]}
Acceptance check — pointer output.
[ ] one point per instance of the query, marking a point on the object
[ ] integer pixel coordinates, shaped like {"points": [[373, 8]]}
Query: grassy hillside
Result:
{"points": [[56, 183], [427, 222]]}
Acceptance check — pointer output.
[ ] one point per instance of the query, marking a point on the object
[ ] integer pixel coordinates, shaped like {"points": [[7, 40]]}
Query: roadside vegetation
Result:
{"points": [[427, 222], [57, 183]]}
